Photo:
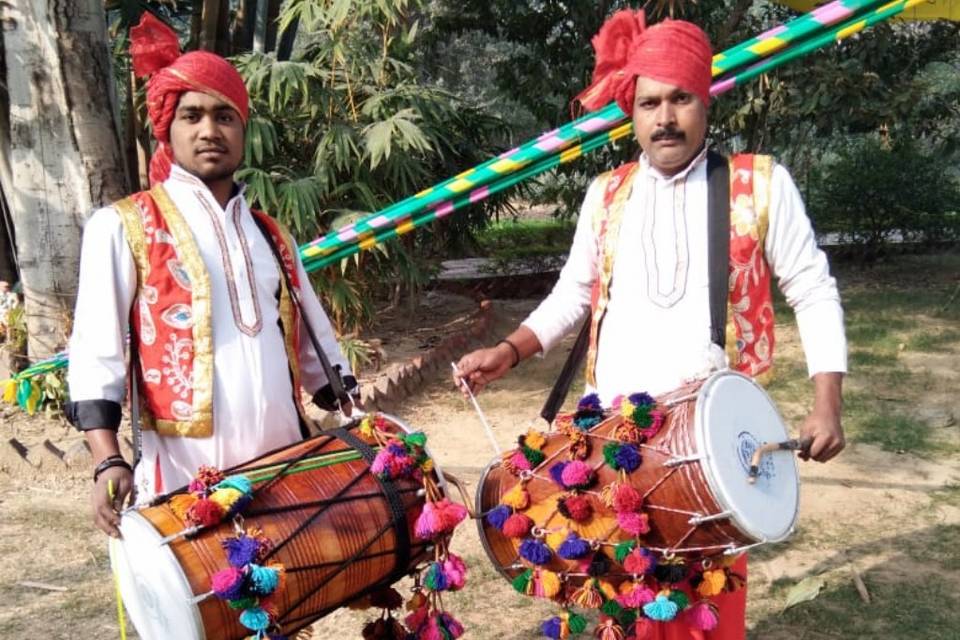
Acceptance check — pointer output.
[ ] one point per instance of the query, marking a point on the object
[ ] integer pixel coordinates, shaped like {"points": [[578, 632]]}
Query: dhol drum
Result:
{"points": [[337, 529], [690, 472]]}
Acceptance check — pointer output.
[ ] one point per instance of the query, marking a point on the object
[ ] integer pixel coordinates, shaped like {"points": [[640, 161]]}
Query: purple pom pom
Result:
{"points": [[573, 548], [556, 472], [497, 516], [397, 449], [640, 399], [627, 458], [535, 551], [241, 551], [551, 628], [590, 402]]}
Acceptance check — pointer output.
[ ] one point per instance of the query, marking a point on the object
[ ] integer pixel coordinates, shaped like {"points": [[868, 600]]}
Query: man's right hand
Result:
{"points": [[110, 493], [481, 367]]}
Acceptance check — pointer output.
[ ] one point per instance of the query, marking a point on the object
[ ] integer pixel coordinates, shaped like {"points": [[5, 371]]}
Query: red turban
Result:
{"points": [[673, 51], [155, 50]]}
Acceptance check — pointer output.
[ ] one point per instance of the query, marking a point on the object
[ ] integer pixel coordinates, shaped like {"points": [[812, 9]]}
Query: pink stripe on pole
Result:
{"points": [[593, 124], [509, 153], [548, 134], [550, 144], [772, 33], [347, 234], [479, 194], [444, 209], [833, 12], [379, 221], [723, 86]]}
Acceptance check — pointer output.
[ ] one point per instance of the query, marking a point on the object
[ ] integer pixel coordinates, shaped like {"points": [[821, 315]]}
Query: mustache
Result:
{"points": [[667, 133]]}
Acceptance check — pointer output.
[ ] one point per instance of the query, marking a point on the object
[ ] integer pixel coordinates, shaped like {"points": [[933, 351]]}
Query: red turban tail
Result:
{"points": [[673, 51], [155, 49]]}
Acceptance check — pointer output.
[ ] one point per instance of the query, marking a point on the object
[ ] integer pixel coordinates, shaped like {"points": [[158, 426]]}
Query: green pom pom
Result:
{"points": [[641, 416], [612, 608], [521, 582], [679, 598], [242, 603], [533, 456], [627, 617], [416, 439], [610, 454], [577, 623], [623, 549]]}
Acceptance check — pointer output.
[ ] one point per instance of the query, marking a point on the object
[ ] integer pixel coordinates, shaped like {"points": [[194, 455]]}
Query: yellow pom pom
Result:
{"points": [[535, 439], [607, 589], [555, 538], [627, 408], [226, 497], [518, 498], [366, 427], [427, 466], [549, 584], [181, 503], [713, 583]]}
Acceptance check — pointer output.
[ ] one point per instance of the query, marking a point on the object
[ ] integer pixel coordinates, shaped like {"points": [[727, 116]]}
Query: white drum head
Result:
{"points": [[734, 416], [155, 590]]}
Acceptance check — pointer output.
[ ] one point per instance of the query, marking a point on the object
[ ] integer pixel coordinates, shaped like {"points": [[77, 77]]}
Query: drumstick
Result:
{"points": [[793, 444], [476, 406]]}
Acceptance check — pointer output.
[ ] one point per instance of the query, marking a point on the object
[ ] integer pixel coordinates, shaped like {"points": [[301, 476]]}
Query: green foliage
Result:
{"points": [[346, 127], [527, 238], [874, 191]]}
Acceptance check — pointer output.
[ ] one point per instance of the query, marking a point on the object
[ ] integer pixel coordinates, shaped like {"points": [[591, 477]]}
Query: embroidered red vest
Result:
{"points": [[171, 323], [750, 308]]}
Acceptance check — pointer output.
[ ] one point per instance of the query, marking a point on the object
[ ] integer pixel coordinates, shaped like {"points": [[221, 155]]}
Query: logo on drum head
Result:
{"points": [[746, 446], [151, 604]]}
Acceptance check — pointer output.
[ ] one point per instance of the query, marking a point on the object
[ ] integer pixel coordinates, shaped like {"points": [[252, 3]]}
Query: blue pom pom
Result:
{"points": [[497, 516], [590, 402], [237, 507], [263, 580], [662, 609], [586, 420], [241, 551], [640, 399], [535, 551], [573, 548], [556, 472], [238, 482], [627, 458], [551, 627], [256, 619]]}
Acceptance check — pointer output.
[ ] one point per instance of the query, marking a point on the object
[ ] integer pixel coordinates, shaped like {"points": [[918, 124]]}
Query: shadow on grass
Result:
{"points": [[915, 594]]}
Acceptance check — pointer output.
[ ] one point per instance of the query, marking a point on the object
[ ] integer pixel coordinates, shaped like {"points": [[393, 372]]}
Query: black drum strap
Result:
{"points": [[397, 511], [718, 244], [570, 368]]}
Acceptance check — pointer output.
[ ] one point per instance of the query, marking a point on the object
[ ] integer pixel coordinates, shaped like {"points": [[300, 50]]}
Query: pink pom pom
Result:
{"points": [[577, 473], [430, 631], [520, 462], [626, 498], [381, 464], [638, 562], [453, 514], [703, 615], [656, 422], [416, 619], [517, 526], [456, 572], [636, 597], [429, 523], [226, 582], [616, 404], [635, 524]]}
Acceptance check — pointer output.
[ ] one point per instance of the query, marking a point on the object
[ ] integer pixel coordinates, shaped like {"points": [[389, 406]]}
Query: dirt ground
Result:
{"points": [[891, 519]]}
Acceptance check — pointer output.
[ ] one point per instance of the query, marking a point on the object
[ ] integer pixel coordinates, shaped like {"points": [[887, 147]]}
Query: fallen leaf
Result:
{"points": [[804, 591]]}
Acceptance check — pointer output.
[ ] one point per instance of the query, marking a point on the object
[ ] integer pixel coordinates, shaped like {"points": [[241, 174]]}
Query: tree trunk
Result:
{"points": [[64, 149], [8, 257]]}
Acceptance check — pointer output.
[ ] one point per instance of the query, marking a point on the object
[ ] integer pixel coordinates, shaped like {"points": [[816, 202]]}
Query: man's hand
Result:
{"points": [[110, 493], [822, 427], [481, 367]]}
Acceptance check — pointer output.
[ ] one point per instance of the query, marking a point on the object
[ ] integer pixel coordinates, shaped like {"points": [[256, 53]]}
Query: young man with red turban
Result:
{"points": [[639, 261], [215, 335]]}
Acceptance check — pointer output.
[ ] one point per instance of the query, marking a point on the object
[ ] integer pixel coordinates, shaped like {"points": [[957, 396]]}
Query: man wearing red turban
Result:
{"points": [[202, 281], [639, 271]]}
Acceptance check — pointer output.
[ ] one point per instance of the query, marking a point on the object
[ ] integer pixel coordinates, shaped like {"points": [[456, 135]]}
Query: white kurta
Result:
{"points": [[656, 332], [253, 408]]}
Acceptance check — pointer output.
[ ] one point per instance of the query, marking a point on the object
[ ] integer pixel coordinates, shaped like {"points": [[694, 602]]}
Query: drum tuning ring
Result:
{"points": [[537, 532], [594, 545], [706, 563], [238, 524], [525, 475]]}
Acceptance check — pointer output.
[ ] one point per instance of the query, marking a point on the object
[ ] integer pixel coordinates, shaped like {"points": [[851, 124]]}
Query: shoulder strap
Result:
{"points": [[333, 375], [718, 244]]}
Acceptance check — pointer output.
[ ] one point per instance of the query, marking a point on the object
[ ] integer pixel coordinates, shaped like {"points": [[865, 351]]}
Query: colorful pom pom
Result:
{"points": [[517, 526], [626, 498], [640, 562], [635, 524], [263, 580], [575, 507], [434, 579], [703, 616], [227, 584], [519, 462], [545, 584], [608, 629], [522, 581], [577, 475], [556, 472], [535, 551], [518, 497], [590, 402], [534, 439], [573, 548], [205, 513], [712, 583], [238, 482], [588, 596], [661, 609], [627, 458], [255, 619], [533, 456], [623, 549], [634, 595], [552, 628], [497, 516], [670, 572], [455, 570], [241, 550]]}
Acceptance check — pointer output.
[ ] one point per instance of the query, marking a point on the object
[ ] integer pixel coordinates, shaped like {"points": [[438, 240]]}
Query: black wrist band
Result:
{"points": [[115, 460], [516, 352]]}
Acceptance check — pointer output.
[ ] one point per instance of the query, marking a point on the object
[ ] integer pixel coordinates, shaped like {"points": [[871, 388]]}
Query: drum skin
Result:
{"points": [[322, 572], [682, 487]]}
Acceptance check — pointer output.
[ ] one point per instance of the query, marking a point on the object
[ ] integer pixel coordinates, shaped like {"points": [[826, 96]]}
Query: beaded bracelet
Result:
{"points": [[115, 460], [516, 352]]}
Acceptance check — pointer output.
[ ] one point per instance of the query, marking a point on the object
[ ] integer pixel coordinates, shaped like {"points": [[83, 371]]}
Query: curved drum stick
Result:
{"points": [[476, 406], [794, 444]]}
